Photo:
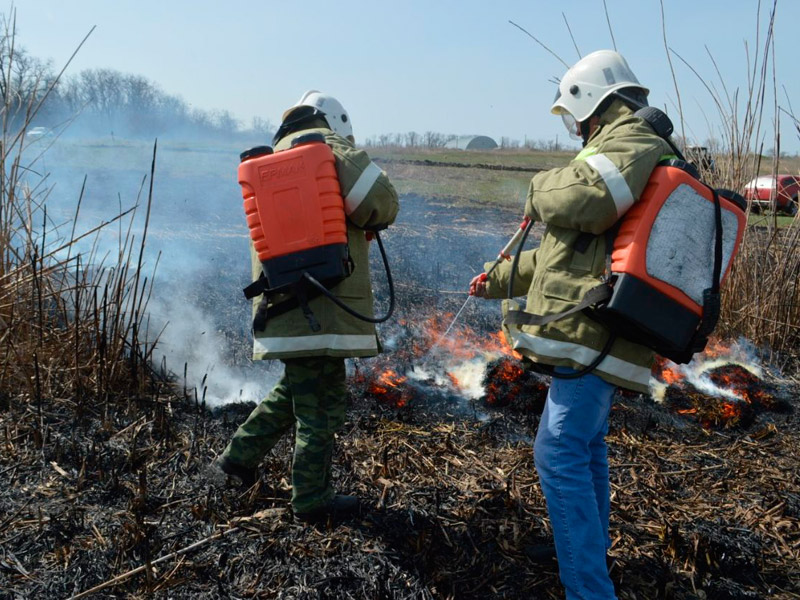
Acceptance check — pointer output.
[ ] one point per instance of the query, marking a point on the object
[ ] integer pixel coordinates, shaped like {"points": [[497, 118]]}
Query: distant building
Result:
{"points": [[472, 142]]}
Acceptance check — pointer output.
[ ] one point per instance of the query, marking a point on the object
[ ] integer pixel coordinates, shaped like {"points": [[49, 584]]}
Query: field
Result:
{"points": [[505, 187], [116, 496]]}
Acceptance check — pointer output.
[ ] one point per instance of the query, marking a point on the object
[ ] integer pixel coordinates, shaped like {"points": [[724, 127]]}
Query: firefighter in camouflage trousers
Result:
{"points": [[311, 396]]}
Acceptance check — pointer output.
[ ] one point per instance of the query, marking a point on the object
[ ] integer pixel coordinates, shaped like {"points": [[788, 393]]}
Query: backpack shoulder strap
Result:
{"points": [[593, 296]]}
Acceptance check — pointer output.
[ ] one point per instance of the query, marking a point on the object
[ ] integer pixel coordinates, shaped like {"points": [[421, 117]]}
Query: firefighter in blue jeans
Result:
{"points": [[578, 203]]}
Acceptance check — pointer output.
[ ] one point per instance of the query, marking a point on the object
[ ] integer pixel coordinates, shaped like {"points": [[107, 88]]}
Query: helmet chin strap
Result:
{"points": [[585, 131], [290, 123], [585, 128]]}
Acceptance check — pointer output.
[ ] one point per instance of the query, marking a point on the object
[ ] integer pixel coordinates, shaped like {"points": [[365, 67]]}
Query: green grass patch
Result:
{"points": [[508, 158], [765, 219], [470, 184], [463, 186]]}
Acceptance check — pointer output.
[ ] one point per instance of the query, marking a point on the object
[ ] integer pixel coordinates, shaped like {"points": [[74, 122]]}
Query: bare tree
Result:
{"points": [[432, 139], [25, 79]]}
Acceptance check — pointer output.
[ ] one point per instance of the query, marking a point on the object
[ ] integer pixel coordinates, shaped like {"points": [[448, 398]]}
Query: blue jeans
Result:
{"points": [[572, 461]]}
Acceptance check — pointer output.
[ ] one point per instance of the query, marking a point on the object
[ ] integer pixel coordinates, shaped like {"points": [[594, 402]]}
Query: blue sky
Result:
{"points": [[439, 65]]}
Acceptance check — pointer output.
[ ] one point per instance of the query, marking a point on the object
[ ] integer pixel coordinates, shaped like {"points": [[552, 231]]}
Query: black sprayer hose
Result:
{"points": [[349, 310], [612, 337]]}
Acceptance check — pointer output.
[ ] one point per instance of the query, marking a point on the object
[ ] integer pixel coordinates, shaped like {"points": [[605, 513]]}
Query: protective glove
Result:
{"points": [[477, 287]]}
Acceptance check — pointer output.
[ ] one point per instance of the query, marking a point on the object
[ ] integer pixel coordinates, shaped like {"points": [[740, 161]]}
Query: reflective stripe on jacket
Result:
{"points": [[587, 196], [370, 203]]}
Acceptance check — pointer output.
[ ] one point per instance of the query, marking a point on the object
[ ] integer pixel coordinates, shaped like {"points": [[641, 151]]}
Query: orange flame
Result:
{"points": [[389, 384], [729, 368], [507, 373], [387, 379], [730, 410]]}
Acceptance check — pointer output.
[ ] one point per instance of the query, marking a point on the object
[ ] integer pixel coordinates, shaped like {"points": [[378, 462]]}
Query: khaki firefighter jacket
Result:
{"points": [[370, 203], [587, 196]]}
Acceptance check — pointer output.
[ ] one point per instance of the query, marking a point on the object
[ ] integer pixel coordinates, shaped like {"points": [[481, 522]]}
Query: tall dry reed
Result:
{"points": [[71, 322], [761, 299]]}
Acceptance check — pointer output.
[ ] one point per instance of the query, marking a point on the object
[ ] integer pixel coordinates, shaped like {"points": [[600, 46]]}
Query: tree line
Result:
{"points": [[102, 102], [431, 140]]}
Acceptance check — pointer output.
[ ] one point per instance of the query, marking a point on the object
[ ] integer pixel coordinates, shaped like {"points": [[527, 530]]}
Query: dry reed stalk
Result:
{"points": [[761, 299], [61, 340]]}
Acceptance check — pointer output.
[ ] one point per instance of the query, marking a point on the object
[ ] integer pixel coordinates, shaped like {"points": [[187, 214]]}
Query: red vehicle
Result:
{"points": [[784, 188]]}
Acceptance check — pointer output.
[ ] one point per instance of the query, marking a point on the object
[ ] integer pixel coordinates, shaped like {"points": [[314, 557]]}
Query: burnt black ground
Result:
{"points": [[450, 494], [450, 505]]}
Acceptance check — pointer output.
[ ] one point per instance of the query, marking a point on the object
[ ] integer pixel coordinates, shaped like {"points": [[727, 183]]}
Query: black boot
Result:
{"points": [[338, 508], [247, 476]]}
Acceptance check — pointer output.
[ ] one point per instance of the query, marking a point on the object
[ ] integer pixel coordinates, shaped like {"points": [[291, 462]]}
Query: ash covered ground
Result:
{"points": [[450, 493]]}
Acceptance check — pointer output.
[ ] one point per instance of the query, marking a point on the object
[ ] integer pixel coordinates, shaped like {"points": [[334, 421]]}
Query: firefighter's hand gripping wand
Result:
{"points": [[505, 254]]}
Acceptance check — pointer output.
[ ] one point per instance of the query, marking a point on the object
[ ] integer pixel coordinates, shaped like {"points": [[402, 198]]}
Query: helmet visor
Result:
{"points": [[571, 124]]}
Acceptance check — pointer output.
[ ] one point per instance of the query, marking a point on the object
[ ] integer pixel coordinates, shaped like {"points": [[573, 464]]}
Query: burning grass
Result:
{"points": [[722, 388], [121, 498]]}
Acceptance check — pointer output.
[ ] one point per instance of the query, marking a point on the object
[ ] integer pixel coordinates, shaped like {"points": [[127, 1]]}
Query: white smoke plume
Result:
{"points": [[192, 340], [697, 372]]}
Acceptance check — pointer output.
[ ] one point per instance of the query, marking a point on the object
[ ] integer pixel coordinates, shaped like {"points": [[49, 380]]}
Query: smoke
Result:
{"points": [[469, 375], [697, 372], [191, 339], [198, 238], [196, 251]]}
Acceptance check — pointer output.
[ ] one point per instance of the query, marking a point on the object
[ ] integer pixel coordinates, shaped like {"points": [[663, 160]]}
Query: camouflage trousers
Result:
{"points": [[312, 396]]}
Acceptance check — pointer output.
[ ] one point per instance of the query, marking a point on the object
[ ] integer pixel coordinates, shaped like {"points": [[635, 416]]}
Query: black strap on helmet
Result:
{"points": [[298, 116]]}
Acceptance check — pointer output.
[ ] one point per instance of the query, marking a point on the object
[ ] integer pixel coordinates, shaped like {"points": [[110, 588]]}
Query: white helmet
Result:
{"points": [[330, 107], [590, 81]]}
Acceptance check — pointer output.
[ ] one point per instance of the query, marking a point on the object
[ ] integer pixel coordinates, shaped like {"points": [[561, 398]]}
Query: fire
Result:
{"points": [[423, 361], [744, 381], [716, 348], [461, 343], [730, 410], [389, 384], [722, 386], [670, 374], [505, 383], [389, 378]]}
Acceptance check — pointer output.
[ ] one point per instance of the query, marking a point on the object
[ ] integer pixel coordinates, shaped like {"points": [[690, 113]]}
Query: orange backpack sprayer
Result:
{"points": [[657, 298], [298, 226], [666, 259]]}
